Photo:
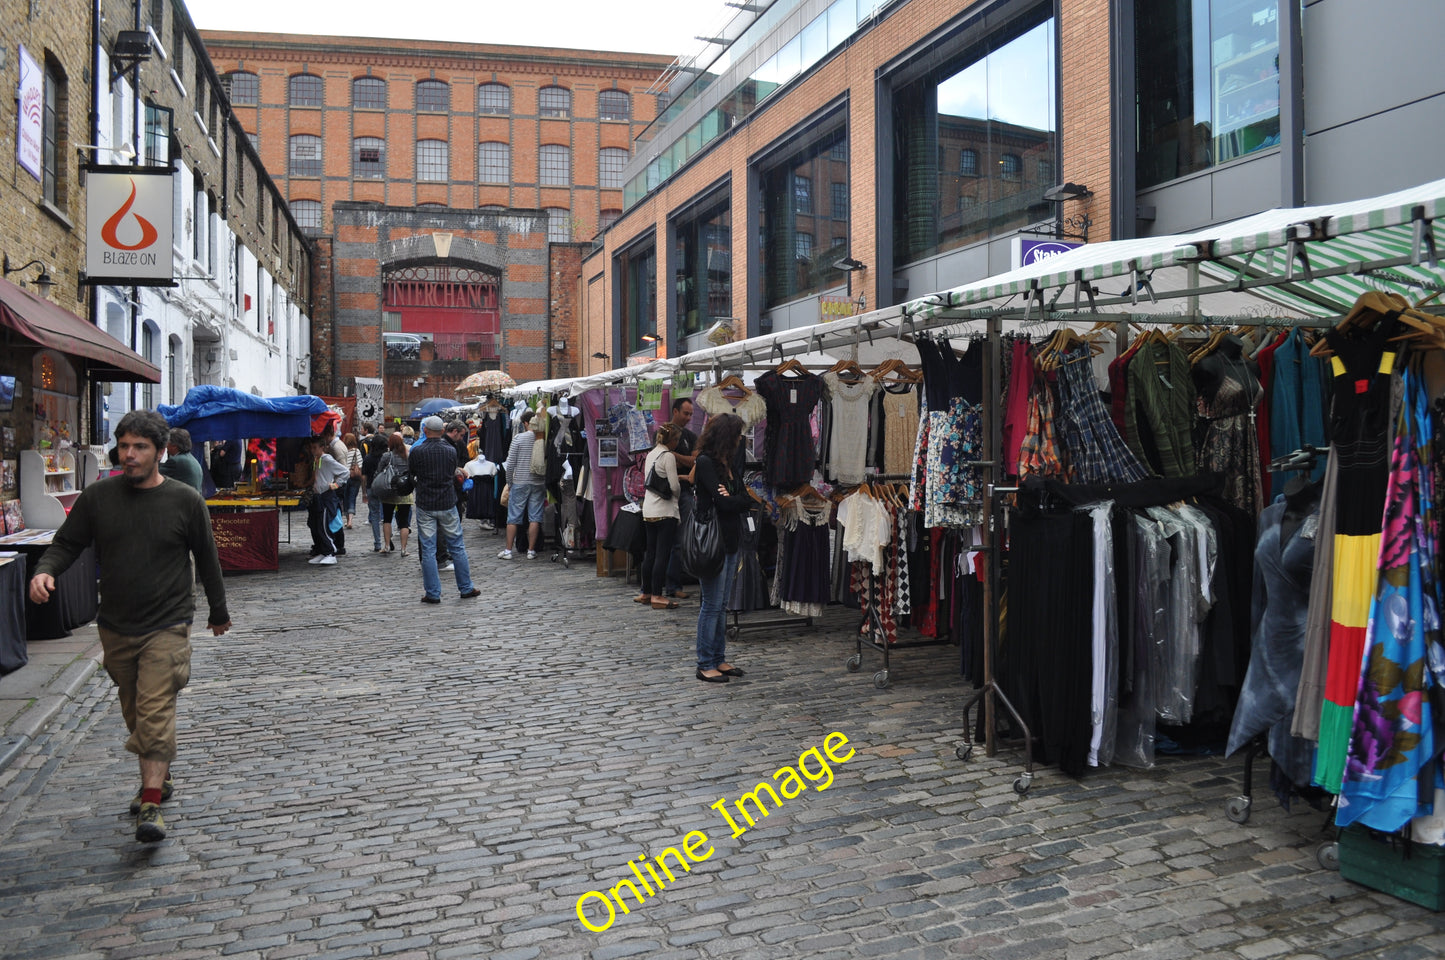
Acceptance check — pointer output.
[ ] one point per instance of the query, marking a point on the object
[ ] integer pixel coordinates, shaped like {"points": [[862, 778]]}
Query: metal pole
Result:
{"points": [[993, 444]]}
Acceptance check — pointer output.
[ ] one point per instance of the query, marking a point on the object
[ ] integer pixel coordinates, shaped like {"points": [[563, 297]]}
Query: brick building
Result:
{"points": [[911, 141], [468, 136]]}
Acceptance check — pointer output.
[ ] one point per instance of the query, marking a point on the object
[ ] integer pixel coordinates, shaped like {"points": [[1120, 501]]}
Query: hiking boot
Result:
{"points": [[167, 789], [149, 826]]}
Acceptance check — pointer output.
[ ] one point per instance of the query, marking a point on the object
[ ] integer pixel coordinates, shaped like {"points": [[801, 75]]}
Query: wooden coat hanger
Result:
{"points": [[1369, 307], [734, 381], [847, 367]]}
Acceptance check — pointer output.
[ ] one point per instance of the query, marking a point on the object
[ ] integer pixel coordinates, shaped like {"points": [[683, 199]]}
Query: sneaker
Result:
{"points": [[505, 555], [324, 561], [167, 789], [316, 559], [447, 566], [531, 554], [341, 552], [474, 592], [149, 826]]}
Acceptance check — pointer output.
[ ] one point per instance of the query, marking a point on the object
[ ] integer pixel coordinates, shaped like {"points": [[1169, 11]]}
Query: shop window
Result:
{"points": [[242, 89], [635, 275], [494, 99], [368, 158], [368, 93], [610, 161], [1207, 79], [433, 96], [305, 90], [796, 242], [702, 259], [992, 105], [494, 163], [149, 336], [431, 160], [554, 166], [554, 102], [614, 105], [305, 156]]}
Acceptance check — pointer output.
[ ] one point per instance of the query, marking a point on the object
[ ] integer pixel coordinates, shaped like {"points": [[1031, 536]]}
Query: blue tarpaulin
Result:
{"points": [[224, 413]]}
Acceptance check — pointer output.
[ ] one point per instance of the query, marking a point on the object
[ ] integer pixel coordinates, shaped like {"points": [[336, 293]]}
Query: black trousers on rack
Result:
{"points": [[1045, 666]]}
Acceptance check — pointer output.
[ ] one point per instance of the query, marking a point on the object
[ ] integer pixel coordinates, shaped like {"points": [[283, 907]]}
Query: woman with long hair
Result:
{"points": [[353, 480], [719, 492], [660, 516], [399, 507]]}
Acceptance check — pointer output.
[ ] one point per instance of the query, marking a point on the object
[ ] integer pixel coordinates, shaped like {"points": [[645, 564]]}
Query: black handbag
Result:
{"points": [[700, 541], [657, 483]]}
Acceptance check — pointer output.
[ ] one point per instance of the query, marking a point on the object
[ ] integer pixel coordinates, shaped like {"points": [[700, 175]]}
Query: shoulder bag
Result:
{"points": [[700, 541], [657, 482], [382, 485], [539, 457]]}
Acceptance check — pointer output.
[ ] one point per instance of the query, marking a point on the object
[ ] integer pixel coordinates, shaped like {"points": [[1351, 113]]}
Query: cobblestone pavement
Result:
{"points": [[362, 775]]}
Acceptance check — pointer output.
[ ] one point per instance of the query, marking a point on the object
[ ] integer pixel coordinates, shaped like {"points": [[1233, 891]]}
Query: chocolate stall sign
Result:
{"points": [[128, 226]]}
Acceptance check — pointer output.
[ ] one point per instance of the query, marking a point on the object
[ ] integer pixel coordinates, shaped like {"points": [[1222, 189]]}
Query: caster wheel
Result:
{"points": [[853, 664], [1328, 855], [964, 751], [880, 679], [1021, 785], [1237, 809], [566, 564], [732, 633]]}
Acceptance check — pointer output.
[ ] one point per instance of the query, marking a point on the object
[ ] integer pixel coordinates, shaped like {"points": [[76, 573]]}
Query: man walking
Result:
{"points": [[433, 464], [145, 529], [179, 464], [686, 454]]}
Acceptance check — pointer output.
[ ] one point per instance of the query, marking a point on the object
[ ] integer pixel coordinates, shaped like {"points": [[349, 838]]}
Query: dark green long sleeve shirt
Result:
{"points": [[1159, 409], [144, 539]]}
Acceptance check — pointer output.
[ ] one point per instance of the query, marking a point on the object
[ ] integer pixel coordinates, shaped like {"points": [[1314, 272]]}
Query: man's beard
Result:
{"points": [[134, 481]]}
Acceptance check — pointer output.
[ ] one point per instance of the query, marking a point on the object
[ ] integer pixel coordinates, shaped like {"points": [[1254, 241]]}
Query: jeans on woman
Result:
{"points": [[712, 619], [661, 534], [348, 495]]}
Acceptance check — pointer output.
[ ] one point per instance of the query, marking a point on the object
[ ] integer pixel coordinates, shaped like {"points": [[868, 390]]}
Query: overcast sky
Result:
{"points": [[637, 26]]}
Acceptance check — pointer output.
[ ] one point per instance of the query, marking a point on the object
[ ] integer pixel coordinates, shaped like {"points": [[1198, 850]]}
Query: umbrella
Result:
{"points": [[484, 381], [430, 406]]}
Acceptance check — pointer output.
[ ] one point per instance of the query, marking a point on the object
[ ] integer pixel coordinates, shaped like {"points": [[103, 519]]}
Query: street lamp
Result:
{"points": [[43, 280]]}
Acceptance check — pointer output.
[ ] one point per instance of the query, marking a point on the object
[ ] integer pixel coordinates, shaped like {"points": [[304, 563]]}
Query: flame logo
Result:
{"points": [[148, 232]]}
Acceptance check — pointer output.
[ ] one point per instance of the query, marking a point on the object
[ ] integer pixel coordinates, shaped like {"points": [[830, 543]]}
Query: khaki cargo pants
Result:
{"points": [[149, 670]]}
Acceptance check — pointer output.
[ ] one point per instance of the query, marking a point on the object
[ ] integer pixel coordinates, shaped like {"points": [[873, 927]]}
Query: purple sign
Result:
{"points": [[1027, 251]]}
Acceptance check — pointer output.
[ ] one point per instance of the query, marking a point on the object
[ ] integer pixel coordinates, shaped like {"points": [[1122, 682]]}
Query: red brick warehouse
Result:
{"points": [[441, 163]]}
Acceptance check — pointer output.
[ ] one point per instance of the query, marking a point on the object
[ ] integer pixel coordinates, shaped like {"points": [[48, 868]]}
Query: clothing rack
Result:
{"points": [[871, 625]]}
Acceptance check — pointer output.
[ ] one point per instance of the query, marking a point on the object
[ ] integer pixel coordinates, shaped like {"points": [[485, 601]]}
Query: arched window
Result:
{"points": [[431, 160], [149, 335], [1011, 167], [242, 89], [559, 224], [307, 214], [494, 99], [368, 93], [368, 158], [614, 105], [305, 90], [305, 156], [968, 162], [610, 161], [433, 96], [554, 165], [554, 102], [494, 163]]}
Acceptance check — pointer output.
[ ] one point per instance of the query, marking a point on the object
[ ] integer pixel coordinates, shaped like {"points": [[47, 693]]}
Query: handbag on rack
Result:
{"points": [[700, 541]]}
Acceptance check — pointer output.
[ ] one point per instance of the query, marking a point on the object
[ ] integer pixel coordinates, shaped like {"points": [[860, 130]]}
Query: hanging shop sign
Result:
{"points": [[128, 226], [836, 308], [1027, 250], [29, 98]]}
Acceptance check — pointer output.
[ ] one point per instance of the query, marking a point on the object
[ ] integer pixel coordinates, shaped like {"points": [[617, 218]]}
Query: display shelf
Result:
{"points": [[48, 486]]}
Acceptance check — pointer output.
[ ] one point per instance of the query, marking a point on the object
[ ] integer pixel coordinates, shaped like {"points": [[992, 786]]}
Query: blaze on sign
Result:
{"points": [[128, 226]]}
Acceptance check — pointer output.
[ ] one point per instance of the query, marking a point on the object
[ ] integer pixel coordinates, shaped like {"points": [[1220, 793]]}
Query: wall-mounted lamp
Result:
{"points": [[559, 345], [125, 150], [131, 47], [848, 264], [599, 355], [1067, 191], [651, 341], [43, 280]]}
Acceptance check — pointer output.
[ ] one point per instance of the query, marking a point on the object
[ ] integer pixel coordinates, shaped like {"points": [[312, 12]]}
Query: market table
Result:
{"points": [[247, 530], [13, 654], [76, 597]]}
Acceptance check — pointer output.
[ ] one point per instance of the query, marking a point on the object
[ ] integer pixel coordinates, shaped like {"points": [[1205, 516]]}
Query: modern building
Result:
{"points": [[869, 151], [460, 140]]}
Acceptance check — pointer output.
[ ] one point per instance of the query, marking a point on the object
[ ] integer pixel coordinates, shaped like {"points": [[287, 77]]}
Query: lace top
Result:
{"points": [[751, 408]]}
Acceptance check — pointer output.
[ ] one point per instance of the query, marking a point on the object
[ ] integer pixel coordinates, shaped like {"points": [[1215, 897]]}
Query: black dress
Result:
{"points": [[789, 451]]}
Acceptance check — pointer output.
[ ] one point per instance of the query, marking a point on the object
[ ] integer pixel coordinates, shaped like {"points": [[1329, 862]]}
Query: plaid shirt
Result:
{"points": [[1097, 454], [1039, 452]]}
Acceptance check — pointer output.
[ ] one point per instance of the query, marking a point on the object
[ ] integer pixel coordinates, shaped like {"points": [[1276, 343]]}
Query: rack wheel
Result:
{"points": [[1328, 855], [854, 662], [566, 562], [1237, 809], [1021, 785], [963, 751], [880, 679], [733, 632], [556, 557]]}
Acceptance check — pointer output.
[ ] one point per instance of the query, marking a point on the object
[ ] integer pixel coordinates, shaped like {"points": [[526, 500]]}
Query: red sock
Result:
{"points": [[150, 795]]}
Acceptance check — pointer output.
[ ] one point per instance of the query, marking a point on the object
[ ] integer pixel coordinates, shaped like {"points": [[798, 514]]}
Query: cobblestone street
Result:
{"points": [[362, 775]]}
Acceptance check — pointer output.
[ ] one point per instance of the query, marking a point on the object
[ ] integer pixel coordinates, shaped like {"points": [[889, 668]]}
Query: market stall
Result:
{"points": [[245, 520]]}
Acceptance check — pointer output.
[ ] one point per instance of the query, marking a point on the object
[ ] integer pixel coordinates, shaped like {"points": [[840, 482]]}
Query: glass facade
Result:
{"points": [[970, 138], [799, 241], [1207, 79], [635, 273], [703, 272]]}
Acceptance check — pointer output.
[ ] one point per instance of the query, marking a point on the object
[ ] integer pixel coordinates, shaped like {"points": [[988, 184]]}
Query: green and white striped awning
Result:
{"points": [[1294, 262]]}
